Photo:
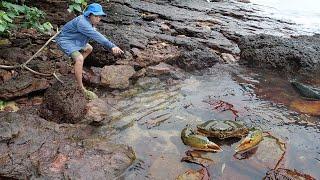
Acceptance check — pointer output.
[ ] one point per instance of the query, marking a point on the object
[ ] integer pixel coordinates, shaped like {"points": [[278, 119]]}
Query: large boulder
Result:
{"points": [[64, 102], [297, 53], [117, 76], [33, 148], [196, 59]]}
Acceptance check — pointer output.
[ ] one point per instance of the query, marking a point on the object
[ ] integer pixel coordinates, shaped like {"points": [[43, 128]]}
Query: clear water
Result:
{"points": [[151, 121], [306, 12]]}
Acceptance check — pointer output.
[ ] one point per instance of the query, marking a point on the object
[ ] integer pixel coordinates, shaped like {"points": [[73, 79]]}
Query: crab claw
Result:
{"points": [[202, 143], [214, 147], [250, 141]]}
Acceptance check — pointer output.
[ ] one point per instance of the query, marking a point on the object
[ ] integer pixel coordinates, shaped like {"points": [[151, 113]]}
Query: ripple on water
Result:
{"points": [[151, 120]]}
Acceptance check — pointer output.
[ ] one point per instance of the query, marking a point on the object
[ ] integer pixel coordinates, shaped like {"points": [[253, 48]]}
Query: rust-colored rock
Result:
{"points": [[117, 76], [64, 103], [306, 107], [22, 86]]}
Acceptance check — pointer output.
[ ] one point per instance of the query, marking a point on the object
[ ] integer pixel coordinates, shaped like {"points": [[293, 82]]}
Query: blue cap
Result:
{"points": [[95, 9]]}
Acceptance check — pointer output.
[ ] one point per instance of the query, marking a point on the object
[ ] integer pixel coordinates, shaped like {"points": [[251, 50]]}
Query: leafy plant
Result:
{"points": [[77, 6], [13, 13]]}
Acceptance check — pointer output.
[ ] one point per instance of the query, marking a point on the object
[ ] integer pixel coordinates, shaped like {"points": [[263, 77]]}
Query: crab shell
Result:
{"points": [[223, 129], [198, 142], [252, 140]]}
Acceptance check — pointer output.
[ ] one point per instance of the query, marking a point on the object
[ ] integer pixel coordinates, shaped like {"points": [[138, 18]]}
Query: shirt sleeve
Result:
{"points": [[88, 30]]}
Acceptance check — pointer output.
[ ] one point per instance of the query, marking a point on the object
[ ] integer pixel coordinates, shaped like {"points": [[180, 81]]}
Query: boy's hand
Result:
{"points": [[117, 51]]}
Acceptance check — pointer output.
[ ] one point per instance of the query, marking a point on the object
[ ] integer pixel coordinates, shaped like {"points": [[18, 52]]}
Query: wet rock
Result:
{"points": [[40, 149], [64, 103], [196, 59], [299, 53], [228, 58], [149, 17], [97, 111], [244, 1], [147, 82], [117, 76], [22, 85], [281, 173], [142, 72], [160, 69]]}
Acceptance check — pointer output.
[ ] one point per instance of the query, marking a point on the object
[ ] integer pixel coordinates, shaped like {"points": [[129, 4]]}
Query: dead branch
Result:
{"points": [[33, 56], [24, 65]]}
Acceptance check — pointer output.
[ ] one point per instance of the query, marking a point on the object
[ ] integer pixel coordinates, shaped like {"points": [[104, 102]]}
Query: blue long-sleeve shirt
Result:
{"points": [[76, 33]]}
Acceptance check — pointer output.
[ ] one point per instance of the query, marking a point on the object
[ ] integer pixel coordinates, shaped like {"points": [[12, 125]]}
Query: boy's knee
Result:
{"points": [[88, 48], [78, 58]]}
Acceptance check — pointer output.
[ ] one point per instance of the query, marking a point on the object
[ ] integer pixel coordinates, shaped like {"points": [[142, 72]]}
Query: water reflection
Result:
{"points": [[261, 99]]}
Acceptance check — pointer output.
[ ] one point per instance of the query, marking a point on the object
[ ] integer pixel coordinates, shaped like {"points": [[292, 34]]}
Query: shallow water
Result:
{"points": [[151, 121], [306, 13]]}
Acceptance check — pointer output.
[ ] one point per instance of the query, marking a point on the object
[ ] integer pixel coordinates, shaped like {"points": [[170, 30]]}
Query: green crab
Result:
{"points": [[221, 129], [190, 138]]}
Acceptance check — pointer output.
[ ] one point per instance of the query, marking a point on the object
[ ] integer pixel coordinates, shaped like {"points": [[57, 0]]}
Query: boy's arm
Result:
{"points": [[87, 29]]}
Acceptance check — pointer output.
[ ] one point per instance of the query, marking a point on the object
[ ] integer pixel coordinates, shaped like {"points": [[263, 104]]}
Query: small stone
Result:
{"points": [[228, 58], [164, 27]]}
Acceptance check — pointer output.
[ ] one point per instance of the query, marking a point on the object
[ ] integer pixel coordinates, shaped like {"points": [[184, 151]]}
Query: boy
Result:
{"points": [[74, 36]]}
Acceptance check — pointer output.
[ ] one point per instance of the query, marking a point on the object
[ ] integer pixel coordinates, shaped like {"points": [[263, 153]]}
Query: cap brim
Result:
{"points": [[99, 13]]}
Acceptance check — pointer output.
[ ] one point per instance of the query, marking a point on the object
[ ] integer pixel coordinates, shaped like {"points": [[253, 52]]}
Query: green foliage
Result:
{"points": [[2, 105], [77, 6], [27, 17]]}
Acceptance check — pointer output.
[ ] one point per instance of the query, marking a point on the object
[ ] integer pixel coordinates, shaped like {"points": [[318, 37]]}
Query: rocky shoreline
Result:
{"points": [[53, 134]]}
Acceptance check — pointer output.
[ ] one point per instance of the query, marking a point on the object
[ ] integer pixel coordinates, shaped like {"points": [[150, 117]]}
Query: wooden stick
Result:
{"points": [[9, 67], [33, 56], [35, 72]]}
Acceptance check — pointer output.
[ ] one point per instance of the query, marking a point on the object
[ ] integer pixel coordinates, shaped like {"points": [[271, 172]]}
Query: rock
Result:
{"points": [[135, 52], [160, 69], [22, 85], [142, 72], [14, 55], [64, 103], [5, 75], [294, 54], [228, 58], [5, 43], [196, 59], [244, 1], [97, 111], [117, 76], [149, 17], [40, 149], [164, 27], [92, 76], [148, 82]]}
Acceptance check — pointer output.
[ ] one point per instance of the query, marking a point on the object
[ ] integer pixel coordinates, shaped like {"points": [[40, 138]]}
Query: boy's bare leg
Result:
{"points": [[78, 66], [87, 50]]}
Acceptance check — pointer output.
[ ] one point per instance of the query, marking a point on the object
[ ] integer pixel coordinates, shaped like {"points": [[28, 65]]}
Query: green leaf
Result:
{"points": [[78, 1], [2, 28], [5, 17], [77, 7]]}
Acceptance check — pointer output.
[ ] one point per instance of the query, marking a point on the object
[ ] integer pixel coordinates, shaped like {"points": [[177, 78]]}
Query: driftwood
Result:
{"points": [[24, 65]]}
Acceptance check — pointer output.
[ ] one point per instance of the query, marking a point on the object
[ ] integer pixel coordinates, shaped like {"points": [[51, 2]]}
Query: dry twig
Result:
{"points": [[24, 65]]}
